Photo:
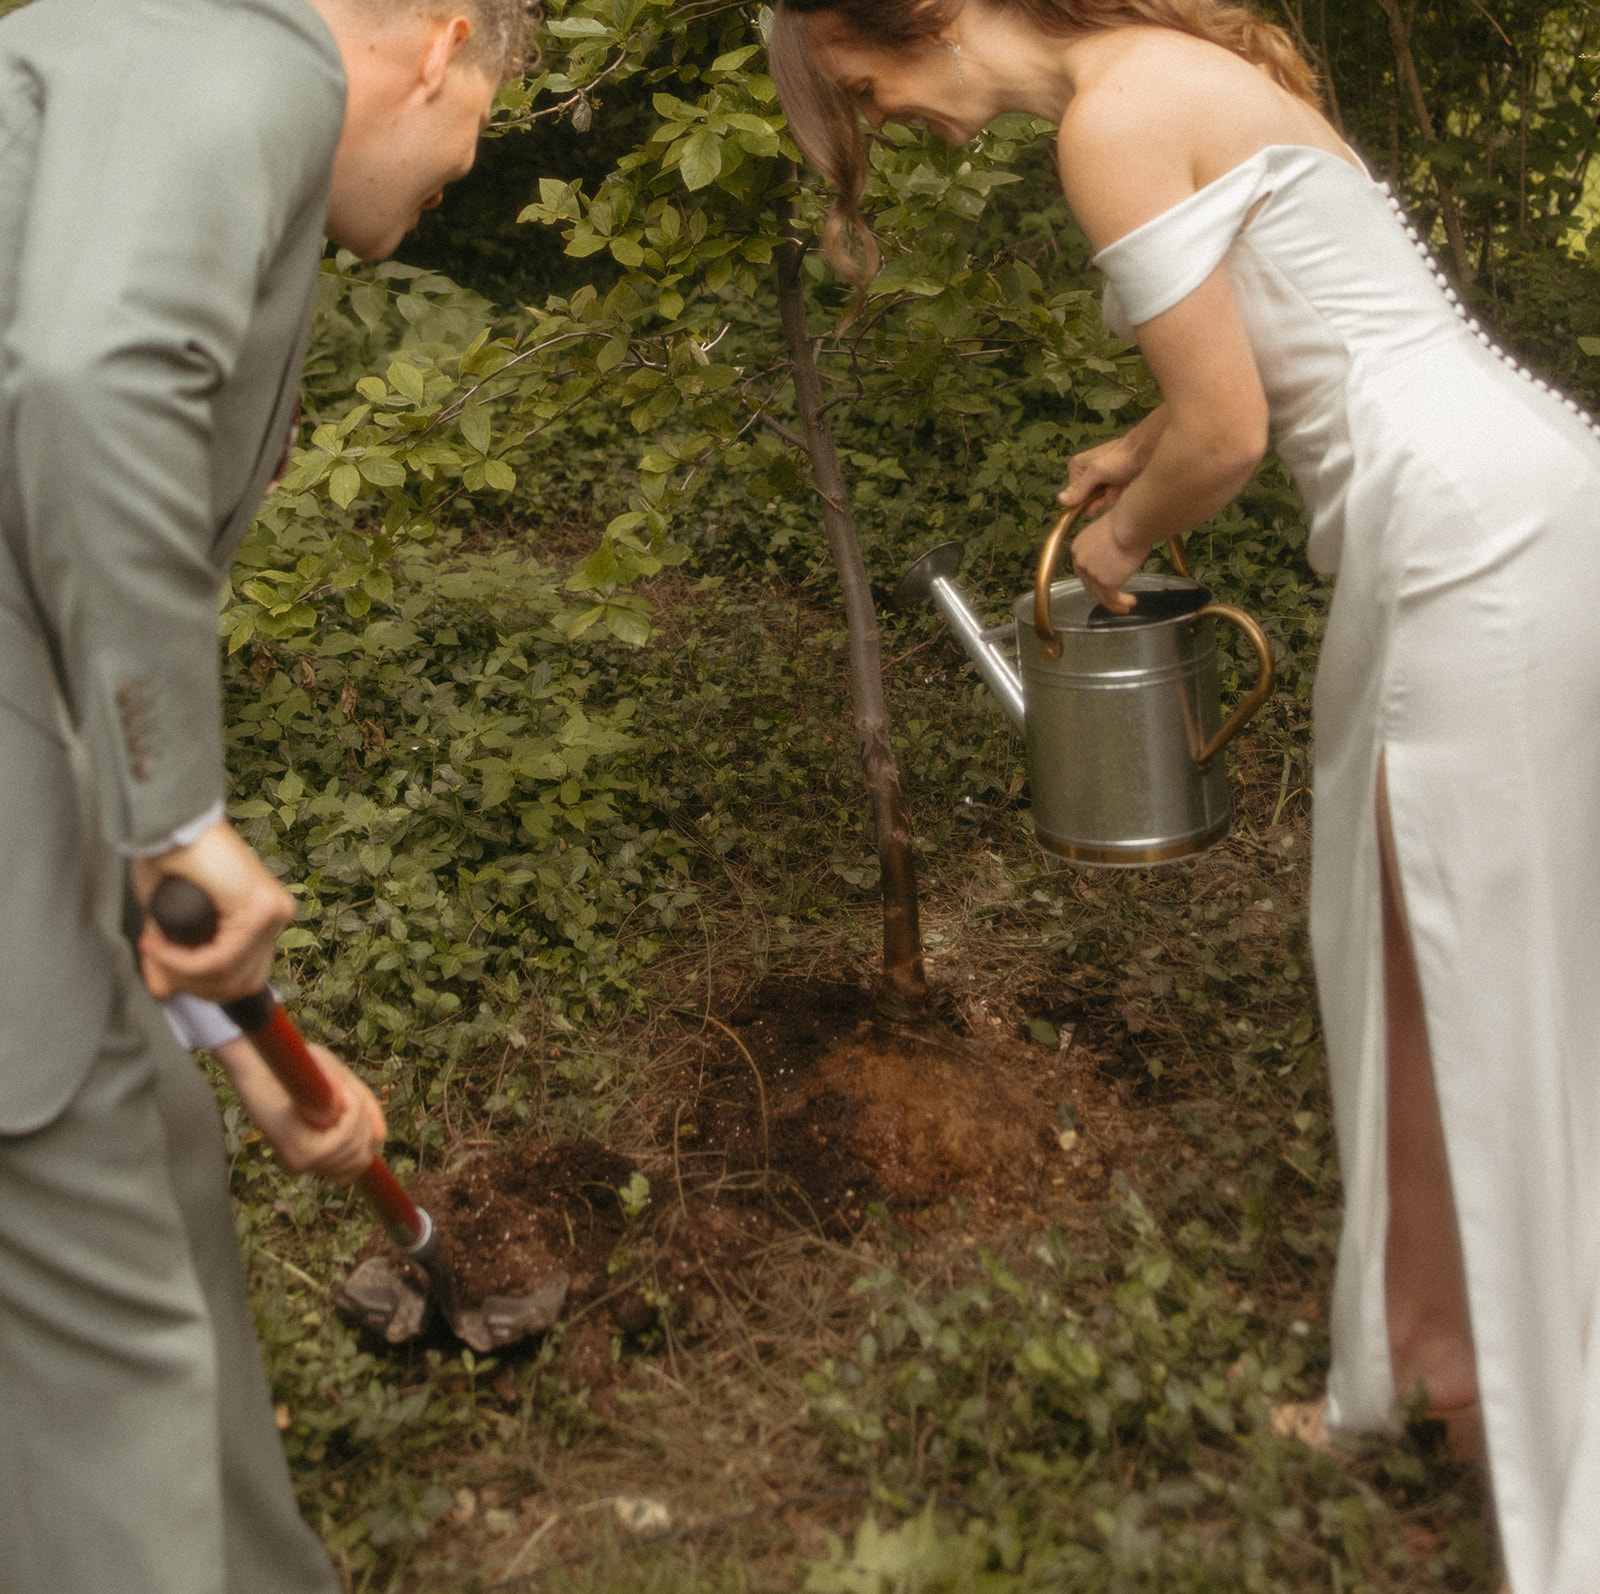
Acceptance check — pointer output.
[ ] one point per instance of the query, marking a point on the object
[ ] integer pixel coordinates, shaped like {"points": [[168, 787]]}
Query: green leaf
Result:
{"points": [[626, 252], [382, 472], [1589, 345], [389, 636], [369, 301], [407, 379], [599, 568], [676, 110], [628, 625], [577, 626], [612, 355], [475, 427], [732, 60], [499, 475], [344, 482], [701, 161]]}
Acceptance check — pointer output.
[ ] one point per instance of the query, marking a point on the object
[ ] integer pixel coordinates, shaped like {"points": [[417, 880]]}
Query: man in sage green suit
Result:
{"points": [[167, 170]]}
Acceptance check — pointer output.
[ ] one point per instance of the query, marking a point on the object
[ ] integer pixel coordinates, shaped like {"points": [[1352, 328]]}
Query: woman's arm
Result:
{"points": [[1212, 436], [1112, 465], [1139, 138]]}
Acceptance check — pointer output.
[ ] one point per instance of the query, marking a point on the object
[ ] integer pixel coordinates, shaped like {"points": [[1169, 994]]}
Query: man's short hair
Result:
{"points": [[502, 30]]}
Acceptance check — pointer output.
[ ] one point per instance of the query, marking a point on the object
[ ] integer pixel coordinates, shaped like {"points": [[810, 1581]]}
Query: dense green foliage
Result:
{"points": [[508, 711]]}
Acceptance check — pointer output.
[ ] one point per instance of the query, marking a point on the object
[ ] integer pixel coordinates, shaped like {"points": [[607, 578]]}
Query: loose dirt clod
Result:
{"points": [[523, 1230], [512, 1218]]}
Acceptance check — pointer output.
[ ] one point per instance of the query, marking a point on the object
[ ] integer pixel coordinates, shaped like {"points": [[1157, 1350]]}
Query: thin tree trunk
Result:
{"points": [[1318, 58], [1525, 87], [1334, 113], [1406, 68], [903, 994]]}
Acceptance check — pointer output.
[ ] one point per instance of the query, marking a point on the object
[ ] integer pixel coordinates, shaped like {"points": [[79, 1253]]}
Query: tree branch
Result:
{"points": [[1406, 68]]}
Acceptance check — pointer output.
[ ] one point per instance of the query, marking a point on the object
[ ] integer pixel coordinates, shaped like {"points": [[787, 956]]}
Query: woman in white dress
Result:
{"points": [[1271, 283]]}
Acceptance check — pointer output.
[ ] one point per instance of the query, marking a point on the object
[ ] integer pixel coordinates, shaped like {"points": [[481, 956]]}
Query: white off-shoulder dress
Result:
{"points": [[1459, 501]]}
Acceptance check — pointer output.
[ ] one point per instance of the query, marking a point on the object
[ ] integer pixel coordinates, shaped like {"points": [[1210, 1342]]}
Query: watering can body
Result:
{"points": [[1121, 716], [1113, 729]]}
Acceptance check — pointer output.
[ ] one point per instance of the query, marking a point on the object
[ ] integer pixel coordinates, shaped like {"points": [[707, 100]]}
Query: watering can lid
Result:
{"points": [[1159, 598], [1162, 603]]}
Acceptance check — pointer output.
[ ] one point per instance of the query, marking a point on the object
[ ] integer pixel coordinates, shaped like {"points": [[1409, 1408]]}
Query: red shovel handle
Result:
{"points": [[285, 1052], [187, 915], [406, 1222]]}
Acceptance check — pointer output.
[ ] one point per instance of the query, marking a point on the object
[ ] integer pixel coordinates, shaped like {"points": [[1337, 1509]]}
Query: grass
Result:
{"points": [[1066, 1392]]}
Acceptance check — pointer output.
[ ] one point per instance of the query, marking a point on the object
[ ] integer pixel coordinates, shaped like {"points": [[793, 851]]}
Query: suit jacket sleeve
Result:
{"points": [[169, 167]]}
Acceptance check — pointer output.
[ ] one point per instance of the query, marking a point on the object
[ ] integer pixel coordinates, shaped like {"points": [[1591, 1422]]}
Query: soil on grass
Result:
{"points": [[513, 1218], [800, 1114], [797, 1095]]}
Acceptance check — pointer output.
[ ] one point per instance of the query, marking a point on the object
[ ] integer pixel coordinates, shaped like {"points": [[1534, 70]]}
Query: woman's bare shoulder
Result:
{"points": [[1128, 140], [1158, 114]]}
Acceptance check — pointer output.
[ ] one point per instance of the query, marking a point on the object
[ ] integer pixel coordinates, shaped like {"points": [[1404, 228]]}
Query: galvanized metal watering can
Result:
{"points": [[1121, 713]]}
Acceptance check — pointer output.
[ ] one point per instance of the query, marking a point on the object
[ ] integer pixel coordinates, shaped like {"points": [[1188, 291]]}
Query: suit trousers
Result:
{"points": [[137, 1445]]}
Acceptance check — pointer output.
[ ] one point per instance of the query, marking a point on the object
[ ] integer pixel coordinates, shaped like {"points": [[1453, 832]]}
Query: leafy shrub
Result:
{"points": [[1099, 1433]]}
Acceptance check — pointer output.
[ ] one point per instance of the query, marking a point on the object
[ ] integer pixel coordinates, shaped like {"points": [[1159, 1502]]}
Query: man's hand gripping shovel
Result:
{"points": [[379, 1294]]}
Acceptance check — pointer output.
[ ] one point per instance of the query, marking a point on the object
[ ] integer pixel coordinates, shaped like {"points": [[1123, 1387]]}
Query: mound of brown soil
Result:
{"points": [[803, 1086], [510, 1219]]}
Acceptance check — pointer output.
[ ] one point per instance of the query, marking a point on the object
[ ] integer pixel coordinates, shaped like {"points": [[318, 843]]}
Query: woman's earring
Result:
{"points": [[954, 47]]}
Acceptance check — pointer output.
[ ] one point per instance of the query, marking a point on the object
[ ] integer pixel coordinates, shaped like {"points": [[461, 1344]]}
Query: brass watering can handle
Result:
{"points": [[1257, 695], [1044, 627]]}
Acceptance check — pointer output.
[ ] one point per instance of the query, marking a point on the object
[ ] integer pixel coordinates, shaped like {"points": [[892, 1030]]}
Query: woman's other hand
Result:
{"points": [[1103, 565], [1113, 464]]}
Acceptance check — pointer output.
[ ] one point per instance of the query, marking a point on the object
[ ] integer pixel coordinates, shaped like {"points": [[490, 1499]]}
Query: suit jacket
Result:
{"points": [[164, 169]]}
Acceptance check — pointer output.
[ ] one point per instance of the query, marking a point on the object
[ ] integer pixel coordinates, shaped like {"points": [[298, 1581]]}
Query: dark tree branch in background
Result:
{"points": [[903, 994], [1406, 69], [1318, 58]]}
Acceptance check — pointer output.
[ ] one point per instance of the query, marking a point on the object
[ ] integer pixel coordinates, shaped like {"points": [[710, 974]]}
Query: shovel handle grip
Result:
{"points": [[187, 915]]}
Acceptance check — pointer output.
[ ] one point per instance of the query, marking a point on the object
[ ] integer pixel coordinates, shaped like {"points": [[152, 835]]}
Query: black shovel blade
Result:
{"points": [[1150, 607]]}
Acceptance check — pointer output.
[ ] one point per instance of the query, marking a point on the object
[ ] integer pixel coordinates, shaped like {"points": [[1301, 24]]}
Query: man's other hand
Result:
{"points": [[252, 909]]}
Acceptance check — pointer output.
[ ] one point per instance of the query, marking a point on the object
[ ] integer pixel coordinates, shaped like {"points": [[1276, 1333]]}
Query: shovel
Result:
{"points": [[378, 1293]]}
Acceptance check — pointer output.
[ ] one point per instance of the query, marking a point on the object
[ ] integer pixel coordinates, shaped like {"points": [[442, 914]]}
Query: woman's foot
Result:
{"points": [[1305, 1421]]}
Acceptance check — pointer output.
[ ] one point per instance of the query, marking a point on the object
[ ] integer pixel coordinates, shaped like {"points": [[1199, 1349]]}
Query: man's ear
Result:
{"points": [[446, 39]]}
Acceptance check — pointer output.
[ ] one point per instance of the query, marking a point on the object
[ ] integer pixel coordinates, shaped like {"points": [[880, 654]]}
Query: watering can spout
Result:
{"points": [[931, 577]]}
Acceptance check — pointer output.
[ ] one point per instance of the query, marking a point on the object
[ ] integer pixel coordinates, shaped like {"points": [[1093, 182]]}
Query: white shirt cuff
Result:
{"points": [[199, 1025], [183, 836]]}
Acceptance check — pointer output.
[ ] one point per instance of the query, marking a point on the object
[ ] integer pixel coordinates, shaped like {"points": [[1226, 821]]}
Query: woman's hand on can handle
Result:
{"points": [[1113, 464], [1099, 559], [1103, 565]]}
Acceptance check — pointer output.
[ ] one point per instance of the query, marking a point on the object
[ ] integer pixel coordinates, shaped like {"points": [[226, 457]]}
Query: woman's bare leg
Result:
{"points": [[1430, 1332]]}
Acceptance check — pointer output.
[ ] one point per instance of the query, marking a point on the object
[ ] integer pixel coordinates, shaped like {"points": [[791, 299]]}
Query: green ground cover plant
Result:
{"points": [[535, 698]]}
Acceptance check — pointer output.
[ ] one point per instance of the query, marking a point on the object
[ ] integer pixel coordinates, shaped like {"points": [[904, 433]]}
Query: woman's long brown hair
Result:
{"points": [[827, 124]]}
